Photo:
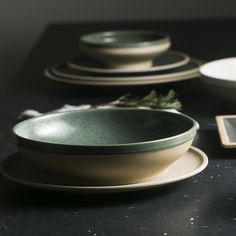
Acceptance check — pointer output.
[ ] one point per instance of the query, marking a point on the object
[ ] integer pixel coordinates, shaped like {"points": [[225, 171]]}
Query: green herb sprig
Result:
{"points": [[151, 100]]}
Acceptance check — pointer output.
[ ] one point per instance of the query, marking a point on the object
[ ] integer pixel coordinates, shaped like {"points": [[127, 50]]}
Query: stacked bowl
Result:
{"points": [[125, 57]]}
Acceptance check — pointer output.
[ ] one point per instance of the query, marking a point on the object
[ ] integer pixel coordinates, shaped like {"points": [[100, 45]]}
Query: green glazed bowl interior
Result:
{"points": [[105, 131], [125, 38]]}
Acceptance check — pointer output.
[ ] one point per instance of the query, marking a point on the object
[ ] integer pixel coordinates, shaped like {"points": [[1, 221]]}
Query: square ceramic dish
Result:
{"points": [[227, 129]]}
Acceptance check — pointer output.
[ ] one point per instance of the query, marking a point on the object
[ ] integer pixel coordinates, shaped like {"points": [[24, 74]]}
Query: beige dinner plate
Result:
{"points": [[65, 72], [168, 60], [16, 169], [89, 82]]}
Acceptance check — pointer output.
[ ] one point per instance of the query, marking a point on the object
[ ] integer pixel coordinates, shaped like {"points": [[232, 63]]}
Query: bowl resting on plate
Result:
{"points": [[125, 49], [106, 146]]}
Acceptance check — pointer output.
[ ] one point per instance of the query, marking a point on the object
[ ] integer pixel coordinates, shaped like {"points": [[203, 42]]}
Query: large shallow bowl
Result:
{"points": [[220, 78], [106, 146], [125, 49]]}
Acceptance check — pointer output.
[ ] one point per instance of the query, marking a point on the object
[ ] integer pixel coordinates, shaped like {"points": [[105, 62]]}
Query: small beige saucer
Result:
{"points": [[17, 170]]}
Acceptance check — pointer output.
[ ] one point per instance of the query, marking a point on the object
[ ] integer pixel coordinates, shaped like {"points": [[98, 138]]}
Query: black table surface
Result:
{"points": [[202, 205]]}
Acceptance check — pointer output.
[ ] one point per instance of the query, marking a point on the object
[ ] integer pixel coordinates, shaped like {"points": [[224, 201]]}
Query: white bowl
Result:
{"points": [[220, 78]]}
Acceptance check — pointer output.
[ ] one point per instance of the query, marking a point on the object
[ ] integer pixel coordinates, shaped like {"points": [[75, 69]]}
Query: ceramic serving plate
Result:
{"points": [[125, 48], [18, 170], [51, 76], [165, 61], [220, 78], [66, 72], [106, 146], [226, 125]]}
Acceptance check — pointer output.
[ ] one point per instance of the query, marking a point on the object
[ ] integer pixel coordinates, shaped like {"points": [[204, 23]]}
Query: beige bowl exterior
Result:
{"points": [[130, 57], [107, 169]]}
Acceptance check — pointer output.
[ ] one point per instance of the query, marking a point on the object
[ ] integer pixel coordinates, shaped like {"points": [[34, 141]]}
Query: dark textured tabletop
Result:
{"points": [[202, 205]]}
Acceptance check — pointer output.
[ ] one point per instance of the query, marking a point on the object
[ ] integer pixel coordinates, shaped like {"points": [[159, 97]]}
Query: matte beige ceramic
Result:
{"points": [[107, 169], [194, 68], [145, 81], [224, 137], [14, 168], [127, 57]]}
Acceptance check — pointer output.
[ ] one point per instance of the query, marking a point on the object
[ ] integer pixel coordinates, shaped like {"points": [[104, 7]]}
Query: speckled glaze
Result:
{"points": [[125, 49], [105, 131], [106, 146]]}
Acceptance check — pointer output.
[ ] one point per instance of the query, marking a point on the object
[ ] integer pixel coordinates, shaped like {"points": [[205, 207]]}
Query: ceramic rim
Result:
{"points": [[97, 39], [51, 76], [230, 62], [107, 149], [113, 79]]}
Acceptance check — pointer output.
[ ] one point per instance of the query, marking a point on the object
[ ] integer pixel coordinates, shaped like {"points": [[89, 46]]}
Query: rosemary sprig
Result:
{"points": [[151, 100]]}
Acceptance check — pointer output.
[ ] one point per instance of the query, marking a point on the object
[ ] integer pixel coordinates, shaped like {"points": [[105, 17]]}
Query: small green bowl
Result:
{"points": [[106, 146], [125, 48]]}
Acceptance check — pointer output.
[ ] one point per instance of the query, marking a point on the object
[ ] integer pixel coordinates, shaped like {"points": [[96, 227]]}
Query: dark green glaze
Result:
{"points": [[124, 38], [168, 58], [105, 131]]}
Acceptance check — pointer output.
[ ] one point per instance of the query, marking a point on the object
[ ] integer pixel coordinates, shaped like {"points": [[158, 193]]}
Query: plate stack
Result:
{"points": [[124, 58]]}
